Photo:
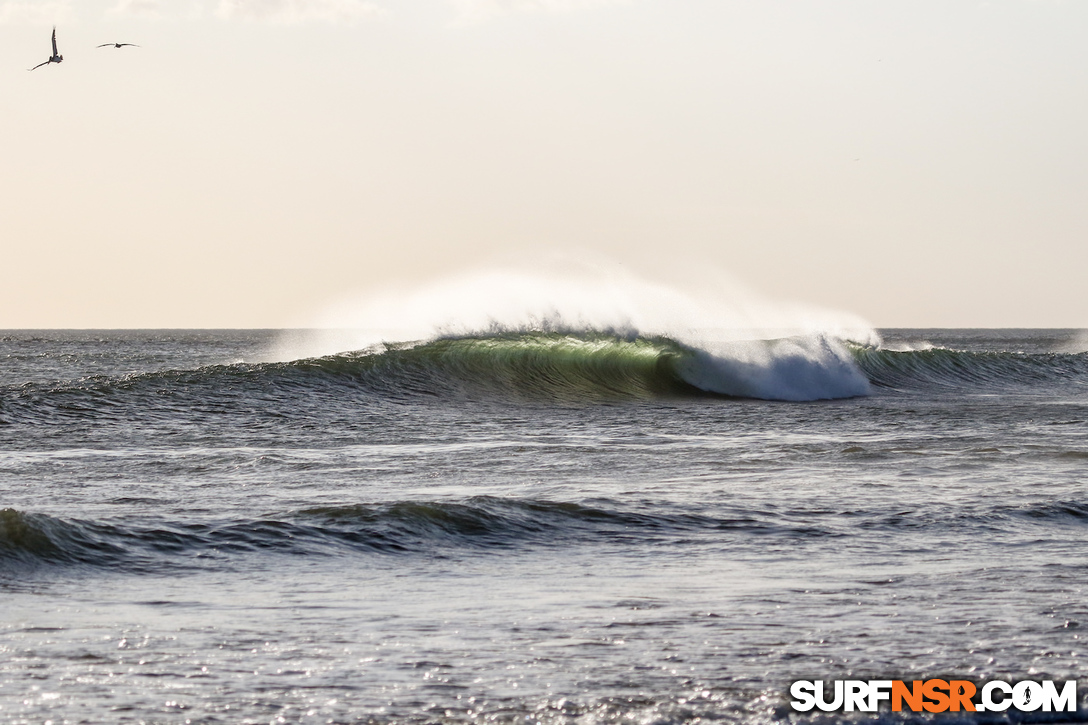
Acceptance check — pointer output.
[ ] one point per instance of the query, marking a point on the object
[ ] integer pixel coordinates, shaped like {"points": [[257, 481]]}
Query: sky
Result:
{"points": [[254, 163]]}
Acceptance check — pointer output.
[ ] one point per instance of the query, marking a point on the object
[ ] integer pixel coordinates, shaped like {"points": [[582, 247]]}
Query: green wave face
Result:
{"points": [[557, 366], [591, 366]]}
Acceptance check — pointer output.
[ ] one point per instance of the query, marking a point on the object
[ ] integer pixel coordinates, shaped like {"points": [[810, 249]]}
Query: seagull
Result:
{"points": [[117, 45], [55, 58]]}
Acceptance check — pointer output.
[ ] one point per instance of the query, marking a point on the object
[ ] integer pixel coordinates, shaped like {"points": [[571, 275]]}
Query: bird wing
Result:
{"points": [[55, 41], [103, 45], [39, 65], [132, 44]]}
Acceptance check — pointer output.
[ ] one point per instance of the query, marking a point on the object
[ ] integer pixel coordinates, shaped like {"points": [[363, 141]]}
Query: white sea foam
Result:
{"points": [[1076, 345], [812, 367]]}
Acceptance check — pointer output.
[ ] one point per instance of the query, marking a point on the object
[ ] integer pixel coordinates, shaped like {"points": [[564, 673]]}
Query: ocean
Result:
{"points": [[534, 526]]}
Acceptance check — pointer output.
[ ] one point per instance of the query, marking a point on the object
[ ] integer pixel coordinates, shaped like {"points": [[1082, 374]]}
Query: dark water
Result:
{"points": [[532, 527]]}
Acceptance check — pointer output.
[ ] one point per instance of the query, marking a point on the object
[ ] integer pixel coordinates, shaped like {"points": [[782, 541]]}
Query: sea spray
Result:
{"points": [[737, 343]]}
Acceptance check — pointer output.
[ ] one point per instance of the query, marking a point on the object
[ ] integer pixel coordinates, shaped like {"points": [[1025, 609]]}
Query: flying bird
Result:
{"points": [[118, 45], [55, 58]]}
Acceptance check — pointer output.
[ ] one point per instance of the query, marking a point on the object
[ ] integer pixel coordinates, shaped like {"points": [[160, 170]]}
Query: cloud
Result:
{"points": [[296, 11], [482, 9], [138, 7], [42, 12]]}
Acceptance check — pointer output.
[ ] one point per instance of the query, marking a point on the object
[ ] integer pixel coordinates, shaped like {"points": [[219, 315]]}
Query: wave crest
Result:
{"points": [[435, 528]]}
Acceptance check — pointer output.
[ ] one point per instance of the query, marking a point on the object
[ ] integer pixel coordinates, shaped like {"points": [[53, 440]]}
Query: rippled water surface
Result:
{"points": [[529, 528]]}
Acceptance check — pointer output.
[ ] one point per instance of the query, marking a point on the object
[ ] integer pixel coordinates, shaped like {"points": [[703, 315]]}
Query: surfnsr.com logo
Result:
{"points": [[934, 695]]}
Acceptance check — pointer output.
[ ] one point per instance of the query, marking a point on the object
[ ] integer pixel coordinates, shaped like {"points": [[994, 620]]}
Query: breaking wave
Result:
{"points": [[541, 367], [589, 365]]}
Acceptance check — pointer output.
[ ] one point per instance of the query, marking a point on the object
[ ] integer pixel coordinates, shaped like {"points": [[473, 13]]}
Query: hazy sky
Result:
{"points": [[916, 162]]}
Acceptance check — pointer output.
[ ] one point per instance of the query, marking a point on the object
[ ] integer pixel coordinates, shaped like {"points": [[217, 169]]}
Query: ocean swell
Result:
{"points": [[436, 528]]}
